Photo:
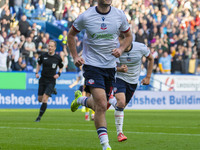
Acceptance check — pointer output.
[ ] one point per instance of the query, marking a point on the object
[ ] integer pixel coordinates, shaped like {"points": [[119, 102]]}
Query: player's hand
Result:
{"points": [[70, 86], [56, 76], [117, 52], [78, 61], [146, 81], [124, 68], [37, 75]]}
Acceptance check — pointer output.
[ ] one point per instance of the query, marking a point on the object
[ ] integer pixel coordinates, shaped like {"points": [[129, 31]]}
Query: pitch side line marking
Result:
{"points": [[49, 124], [111, 125], [77, 130]]}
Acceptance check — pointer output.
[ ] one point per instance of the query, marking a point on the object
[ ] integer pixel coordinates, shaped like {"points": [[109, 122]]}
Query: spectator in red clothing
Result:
{"points": [[197, 18], [47, 36]]}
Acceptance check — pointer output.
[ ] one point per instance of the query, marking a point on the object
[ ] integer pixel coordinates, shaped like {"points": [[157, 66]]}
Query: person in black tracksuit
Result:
{"points": [[47, 82]]}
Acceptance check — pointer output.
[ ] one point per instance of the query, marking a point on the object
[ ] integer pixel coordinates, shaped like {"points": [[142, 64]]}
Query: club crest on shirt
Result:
{"points": [[53, 66], [91, 81], [103, 26], [128, 59]]}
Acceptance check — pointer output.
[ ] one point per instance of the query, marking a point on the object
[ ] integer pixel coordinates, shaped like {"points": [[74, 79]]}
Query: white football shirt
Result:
{"points": [[102, 35], [133, 61], [3, 61]]}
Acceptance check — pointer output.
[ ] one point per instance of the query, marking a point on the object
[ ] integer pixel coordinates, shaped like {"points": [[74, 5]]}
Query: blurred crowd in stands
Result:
{"points": [[170, 28]]}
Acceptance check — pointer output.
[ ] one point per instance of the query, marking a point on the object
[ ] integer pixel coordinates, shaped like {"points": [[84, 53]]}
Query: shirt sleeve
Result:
{"points": [[125, 27], [40, 60], [146, 51], [117, 60], [160, 61], [60, 63], [78, 24]]}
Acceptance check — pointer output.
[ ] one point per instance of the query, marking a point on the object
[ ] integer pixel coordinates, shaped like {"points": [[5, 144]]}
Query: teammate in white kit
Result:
{"points": [[127, 79], [102, 23]]}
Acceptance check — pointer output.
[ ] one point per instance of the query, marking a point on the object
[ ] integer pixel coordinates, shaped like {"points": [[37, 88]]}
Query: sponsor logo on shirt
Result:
{"points": [[102, 36], [45, 58]]}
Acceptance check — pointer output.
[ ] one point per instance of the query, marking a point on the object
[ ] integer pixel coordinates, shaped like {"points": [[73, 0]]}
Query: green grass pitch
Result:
{"points": [[61, 129]]}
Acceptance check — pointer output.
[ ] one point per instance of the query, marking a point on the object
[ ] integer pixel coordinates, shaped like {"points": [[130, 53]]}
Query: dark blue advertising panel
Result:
{"points": [[28, 99], [62, 82]]}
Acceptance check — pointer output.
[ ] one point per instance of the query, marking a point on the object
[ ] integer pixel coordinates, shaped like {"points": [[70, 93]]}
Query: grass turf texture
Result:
{"points": [[64, 130]]}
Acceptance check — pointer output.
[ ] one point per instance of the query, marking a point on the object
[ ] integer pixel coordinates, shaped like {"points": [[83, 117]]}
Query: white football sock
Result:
{"points": [[103, 137], [113, 101], [119, 119], [82, 100]]}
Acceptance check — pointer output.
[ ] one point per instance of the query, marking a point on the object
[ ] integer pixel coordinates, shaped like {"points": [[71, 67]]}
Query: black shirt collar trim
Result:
{"points": [[130, 48], [101, 12]]}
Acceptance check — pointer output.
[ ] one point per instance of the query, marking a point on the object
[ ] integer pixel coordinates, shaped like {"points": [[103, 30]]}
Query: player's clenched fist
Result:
{"points": [[145, 81], [117, 52], [78, 61], [124, 68]]}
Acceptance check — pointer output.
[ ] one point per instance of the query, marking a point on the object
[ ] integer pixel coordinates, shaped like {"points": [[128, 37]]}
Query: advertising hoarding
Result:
{"points": [[176, 82]]}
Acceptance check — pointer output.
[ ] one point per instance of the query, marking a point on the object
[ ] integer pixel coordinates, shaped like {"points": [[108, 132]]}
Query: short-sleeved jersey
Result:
{"points": [[133, 61], [49, 64], [166, 62], [102, 35]]}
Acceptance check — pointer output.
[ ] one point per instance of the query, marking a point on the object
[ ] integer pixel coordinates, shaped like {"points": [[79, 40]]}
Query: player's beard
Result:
{"points": [[103, 4], [106, 5]]}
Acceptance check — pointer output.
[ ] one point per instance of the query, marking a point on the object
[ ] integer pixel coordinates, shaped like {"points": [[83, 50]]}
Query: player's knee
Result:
{"points": [[101, 107], [121, 104], [44, 100]]}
